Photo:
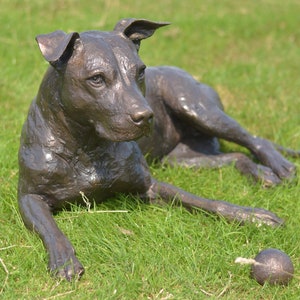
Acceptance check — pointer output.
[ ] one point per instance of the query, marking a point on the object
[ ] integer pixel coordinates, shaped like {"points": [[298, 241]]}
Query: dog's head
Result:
{"points": [[101, 77]]}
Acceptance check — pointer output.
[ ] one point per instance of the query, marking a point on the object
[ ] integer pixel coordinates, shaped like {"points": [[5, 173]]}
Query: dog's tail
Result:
{"points": [[287, 151]]}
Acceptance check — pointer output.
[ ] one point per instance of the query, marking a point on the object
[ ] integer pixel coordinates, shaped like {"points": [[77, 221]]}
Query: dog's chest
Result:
{"points": [[118, 167], [105, 166]]}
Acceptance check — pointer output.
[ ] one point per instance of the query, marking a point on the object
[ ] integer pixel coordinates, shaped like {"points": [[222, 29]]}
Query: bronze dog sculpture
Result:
{"points": [[81, 131]]}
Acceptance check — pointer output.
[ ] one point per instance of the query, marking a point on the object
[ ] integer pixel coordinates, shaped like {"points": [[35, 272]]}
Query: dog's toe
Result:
{"points": [[266, 176], [71, 270]]}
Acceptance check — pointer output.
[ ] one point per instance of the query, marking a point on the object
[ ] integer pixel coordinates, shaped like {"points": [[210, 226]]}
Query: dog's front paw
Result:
{"points": [[244, 214], [259, 216], [64, 264], [70, 270]]}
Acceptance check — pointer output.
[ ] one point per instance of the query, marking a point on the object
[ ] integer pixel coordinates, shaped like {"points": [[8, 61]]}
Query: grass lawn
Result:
{"points": [[249, 51]]}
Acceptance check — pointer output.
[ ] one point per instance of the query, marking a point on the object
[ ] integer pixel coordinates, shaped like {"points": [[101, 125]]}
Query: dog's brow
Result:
{"points": [[100, 65], [132, 68], [99, 57]]}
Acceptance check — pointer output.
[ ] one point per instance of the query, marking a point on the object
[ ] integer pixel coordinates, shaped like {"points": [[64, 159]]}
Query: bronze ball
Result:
{"points": [[272, 266]]}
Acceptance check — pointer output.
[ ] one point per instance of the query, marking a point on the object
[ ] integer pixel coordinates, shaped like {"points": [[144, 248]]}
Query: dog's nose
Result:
{"points": [[141, 118]]}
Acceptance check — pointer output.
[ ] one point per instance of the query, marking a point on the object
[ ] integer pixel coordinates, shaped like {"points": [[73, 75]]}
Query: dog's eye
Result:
{"points": [[97, 80]]}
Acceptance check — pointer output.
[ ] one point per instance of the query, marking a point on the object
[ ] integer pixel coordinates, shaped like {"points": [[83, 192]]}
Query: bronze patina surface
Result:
{"points": [[90, 123]]}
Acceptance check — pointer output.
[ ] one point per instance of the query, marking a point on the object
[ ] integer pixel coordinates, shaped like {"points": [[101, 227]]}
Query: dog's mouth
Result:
{"points": [[147, 128], [136, 131]]}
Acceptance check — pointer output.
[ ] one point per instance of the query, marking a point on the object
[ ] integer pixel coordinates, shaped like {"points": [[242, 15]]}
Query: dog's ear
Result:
{"points": [[137, 30], [57, 47]]}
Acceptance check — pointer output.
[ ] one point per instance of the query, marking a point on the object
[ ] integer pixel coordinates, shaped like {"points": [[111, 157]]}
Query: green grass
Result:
{"points": [[249, 51]]}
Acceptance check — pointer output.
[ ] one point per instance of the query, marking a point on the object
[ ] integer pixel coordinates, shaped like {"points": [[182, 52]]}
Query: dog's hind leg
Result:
{"points": [[37, 217], [196, 105], [215, 122], [231, 212], [191, 153], [228, 129]]}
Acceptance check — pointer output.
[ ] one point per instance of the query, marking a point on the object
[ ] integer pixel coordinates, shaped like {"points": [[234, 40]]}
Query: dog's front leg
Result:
{"points": [[37, 217], [229, 211]]}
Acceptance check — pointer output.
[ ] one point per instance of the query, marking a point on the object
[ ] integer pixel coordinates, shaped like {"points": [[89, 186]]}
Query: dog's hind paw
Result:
{"points": [[269, 156], [258, 173], [266, 176]]}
